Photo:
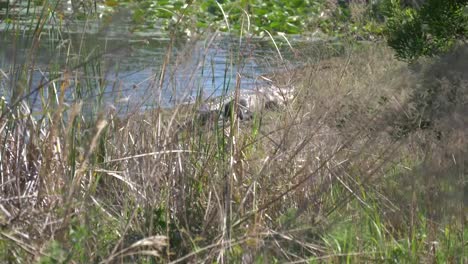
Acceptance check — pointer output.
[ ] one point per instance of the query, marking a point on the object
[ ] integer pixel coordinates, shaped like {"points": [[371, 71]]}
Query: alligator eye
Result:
{"points": [[243, 102]]}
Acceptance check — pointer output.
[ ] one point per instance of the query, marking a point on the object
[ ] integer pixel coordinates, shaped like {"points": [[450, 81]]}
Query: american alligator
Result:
{"points": [[246, 103]]}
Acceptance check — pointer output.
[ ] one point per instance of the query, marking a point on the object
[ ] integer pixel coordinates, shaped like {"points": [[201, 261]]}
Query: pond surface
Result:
{"points": [[111, 66]]}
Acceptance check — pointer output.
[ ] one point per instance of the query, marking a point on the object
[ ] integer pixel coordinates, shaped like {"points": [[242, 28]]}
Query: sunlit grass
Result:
{"points": [[327, 177]]}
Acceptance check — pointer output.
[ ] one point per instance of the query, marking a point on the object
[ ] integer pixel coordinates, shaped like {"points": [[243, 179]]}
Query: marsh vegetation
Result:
{"points": [[365, 162]]}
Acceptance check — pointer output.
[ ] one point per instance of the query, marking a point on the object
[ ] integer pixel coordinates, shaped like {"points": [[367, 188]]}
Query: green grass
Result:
{"points": [[328, 178]]}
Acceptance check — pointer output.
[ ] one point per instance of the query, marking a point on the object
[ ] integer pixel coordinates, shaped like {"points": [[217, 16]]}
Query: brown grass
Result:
{"points": [[149, 184]]}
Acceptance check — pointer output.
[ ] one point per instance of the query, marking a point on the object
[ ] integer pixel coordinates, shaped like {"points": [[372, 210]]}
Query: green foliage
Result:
{"points": [[54, 254], [275, 15], [291, 17], [356, 19], [431, 30], [85, 241], [363, 234]]}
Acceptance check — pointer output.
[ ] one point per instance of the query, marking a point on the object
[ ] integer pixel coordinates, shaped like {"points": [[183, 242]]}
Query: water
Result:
{"points": [[123, 70]]}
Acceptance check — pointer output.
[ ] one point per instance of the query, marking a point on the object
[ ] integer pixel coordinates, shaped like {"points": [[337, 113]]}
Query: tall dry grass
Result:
{"points": [[364, 164]]}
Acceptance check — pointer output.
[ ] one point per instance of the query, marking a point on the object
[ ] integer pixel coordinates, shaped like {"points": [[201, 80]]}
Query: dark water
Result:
{"points": [[111, 67]]}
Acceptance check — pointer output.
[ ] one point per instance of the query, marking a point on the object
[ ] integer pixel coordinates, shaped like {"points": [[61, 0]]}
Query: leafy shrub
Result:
{"points": [[432, 29]]}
